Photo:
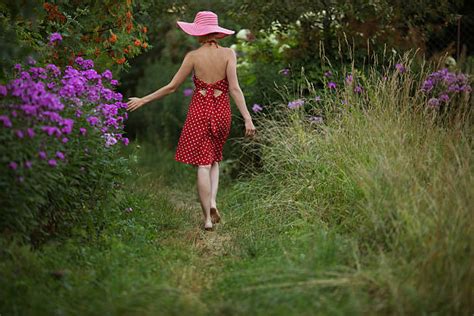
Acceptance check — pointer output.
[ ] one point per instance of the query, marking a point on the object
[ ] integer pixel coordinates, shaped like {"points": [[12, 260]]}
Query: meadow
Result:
{"points": [[364, 210]]}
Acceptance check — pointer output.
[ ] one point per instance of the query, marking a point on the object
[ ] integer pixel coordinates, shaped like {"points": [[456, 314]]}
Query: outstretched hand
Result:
{"points": [[134, 103]]}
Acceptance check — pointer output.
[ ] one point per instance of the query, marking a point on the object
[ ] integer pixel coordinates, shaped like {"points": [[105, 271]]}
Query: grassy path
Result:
{"points": [[255, 261]]}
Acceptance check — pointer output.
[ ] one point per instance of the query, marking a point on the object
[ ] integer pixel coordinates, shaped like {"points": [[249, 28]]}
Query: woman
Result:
{"points": [[208, 119]]}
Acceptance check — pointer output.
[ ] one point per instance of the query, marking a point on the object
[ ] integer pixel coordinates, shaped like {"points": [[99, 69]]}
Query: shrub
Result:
{"points": [[59, 133]]}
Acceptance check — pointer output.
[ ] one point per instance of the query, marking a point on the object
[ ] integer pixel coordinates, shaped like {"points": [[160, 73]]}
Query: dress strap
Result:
{"points": [[211, 41]]}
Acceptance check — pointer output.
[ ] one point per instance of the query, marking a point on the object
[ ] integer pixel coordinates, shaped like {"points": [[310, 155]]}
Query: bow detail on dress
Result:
{"points": [[211, 101]]}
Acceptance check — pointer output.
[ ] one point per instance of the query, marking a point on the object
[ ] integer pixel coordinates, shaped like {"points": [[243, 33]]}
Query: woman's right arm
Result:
{"points": [[236, 93]]}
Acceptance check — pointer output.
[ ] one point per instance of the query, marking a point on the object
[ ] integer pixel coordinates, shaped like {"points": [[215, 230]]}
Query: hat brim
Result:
{"points": [[200, 30]]}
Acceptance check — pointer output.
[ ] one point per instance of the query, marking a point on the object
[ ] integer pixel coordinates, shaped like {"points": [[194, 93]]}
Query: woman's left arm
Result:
{"points": [[178, 79]]}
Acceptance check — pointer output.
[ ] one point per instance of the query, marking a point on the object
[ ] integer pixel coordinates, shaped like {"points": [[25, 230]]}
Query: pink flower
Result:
{"points": [[52, 163]]}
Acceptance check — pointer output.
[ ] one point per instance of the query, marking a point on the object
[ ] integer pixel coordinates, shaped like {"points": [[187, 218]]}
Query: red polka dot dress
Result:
{"points": [[207, 124]]}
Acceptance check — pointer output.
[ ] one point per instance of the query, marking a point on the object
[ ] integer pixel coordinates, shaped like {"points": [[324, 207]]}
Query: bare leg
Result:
{"points": [[204, 191], [214, 183]]}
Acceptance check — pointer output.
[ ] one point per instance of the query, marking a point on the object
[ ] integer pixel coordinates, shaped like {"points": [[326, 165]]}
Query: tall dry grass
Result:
{"points": [[388, 172]]}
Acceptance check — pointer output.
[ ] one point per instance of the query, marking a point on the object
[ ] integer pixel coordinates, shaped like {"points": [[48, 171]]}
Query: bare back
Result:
{"points": [[210, 63]]}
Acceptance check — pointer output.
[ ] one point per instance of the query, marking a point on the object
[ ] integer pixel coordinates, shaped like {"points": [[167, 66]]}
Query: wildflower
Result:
{"points": [[349, 79], [315, 119], [3, 90], [31, 60], [328, 74], [125, 141], [317, 98], [55, 37], [52, 163], [60, 155], [427, 85], [444, 98], [400, 68], [114, 82], [137, 42], [295, 104], [82, 131], [256, 108], [28, 164], [12, 165], [188, 92], [332, 85], [6, 121], [433, 102], [358, 89], [65, 140], [19, 133], [93, 120], [42, 155], [107, 74], [285, 71]]}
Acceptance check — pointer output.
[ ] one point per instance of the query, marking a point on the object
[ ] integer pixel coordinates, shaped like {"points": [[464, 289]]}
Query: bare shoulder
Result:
{"points": [[230, 53]]}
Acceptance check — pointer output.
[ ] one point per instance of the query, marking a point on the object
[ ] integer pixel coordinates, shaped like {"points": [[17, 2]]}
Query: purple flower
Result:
{"points": [[427, 85], [433, 102], [349, 79], [256, 108], [52, 163], [107, 74], [295, 104], [317, 98], [328, 74], [28, 164], [12, 165], [188, 92], [93, 120], [114, 82], [55, 37], [6, 121], [400, 68], [60, 155], [19, 133], [285, 71], [65, 140], [332, 85], [82, 131], [125, 141], [315, 119], [31, 132], [30, 60], [444, 98], [3, 90], [110, 140], [42, 155], [358, 89]]}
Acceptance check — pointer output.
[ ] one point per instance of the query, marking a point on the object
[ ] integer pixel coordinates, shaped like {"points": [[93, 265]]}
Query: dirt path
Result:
{"points": [[209, 246]]}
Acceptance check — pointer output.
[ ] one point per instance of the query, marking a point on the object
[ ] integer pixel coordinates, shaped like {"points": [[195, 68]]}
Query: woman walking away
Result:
{"points": [[208, 120]]}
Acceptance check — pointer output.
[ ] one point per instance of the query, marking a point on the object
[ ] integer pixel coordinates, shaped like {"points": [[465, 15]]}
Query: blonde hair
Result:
{"points": [[207, 37]]}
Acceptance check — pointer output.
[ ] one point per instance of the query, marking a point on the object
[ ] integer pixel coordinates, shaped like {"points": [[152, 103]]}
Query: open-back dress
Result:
{"points": [[207, 124]]}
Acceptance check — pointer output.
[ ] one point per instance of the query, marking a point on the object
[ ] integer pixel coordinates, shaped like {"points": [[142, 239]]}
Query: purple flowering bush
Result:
{"points": [[60, 130], [442, 87]]}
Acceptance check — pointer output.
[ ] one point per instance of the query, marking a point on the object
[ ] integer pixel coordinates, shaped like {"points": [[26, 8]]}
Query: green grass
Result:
{"points": [[370, 213]]}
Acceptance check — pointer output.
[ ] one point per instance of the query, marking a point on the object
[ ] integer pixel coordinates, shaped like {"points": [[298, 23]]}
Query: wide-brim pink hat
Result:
{"points": [[205, 22]]}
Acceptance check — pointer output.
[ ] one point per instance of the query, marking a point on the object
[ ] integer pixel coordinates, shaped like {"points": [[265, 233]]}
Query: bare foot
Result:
{"points": [[208, 224], [215, 216]]}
